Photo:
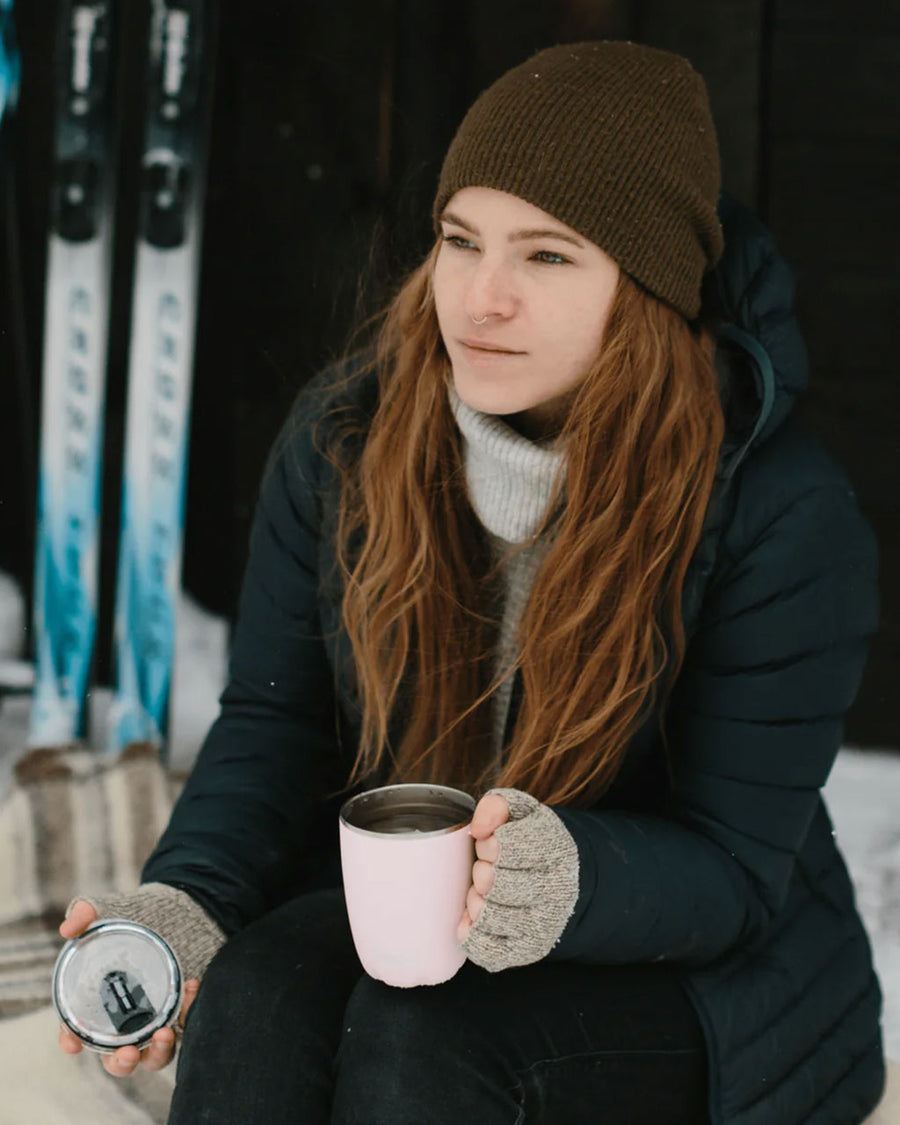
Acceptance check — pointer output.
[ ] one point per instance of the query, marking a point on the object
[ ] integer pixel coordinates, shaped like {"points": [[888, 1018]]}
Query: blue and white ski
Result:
{"points": [[9, 62], [160, 369], [74, 372]]}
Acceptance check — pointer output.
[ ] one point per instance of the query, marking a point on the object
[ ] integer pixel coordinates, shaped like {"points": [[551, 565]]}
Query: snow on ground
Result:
{"points": [[863, 792], [863, 796], [12, 618], [200, 667]]}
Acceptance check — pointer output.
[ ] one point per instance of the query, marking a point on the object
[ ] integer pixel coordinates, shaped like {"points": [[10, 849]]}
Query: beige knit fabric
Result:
{"points": [[179, 920], [72, 821], [535, 887]]}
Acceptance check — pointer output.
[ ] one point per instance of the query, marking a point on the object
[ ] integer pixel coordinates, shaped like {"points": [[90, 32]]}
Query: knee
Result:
{"points": [[409, 1049], [235, 979], [384, 1023], [256, 1000]]}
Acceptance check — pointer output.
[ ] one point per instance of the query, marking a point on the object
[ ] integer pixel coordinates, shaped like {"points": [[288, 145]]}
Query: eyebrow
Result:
{"points": [[518, 235]]}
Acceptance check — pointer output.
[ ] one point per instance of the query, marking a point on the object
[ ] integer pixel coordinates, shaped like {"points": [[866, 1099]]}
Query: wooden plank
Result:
{"points": [[856, 418], [594, 19], [851, 320], [833, 204], [723, 40], [826, 82], [873, 719], [883, 14]]}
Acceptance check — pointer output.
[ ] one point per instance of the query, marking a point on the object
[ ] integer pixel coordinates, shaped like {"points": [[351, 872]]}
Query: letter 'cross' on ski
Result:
{"points": [[160, 370], [74, 373]]}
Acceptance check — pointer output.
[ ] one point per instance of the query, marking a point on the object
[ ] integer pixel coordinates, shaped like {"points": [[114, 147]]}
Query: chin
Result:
{"points": [[480, 395]]}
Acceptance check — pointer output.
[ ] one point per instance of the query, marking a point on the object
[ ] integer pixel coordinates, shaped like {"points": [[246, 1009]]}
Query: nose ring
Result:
{"points": [[474, 321]]}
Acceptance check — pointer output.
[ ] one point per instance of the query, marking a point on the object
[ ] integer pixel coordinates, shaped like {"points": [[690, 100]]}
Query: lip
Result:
{"points": [[482, 347]]}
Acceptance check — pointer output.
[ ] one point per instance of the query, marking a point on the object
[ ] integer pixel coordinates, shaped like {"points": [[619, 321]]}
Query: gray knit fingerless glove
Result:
{"points": [[178, 919], [535, 887]]}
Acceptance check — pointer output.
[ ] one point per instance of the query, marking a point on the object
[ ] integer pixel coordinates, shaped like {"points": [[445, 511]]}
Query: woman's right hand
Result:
{"points": [[122, 1062]]}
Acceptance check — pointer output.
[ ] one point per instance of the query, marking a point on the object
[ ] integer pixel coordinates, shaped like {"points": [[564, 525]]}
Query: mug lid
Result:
{"points": [[116, 984]]}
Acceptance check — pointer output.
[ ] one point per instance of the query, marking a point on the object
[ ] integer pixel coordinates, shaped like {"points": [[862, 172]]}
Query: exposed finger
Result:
{"points": [[483, 876], [80, 917], [490, 812], [160, 1051], [488, 849], [191, 987], [474, 904], [500, 920], [70, 1043], [516, 888], [121, 1063], [462, 930]]}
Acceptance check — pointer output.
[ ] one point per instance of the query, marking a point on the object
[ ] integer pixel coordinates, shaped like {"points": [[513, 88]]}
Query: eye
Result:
{"points": [[458, 242], [549, 258]]}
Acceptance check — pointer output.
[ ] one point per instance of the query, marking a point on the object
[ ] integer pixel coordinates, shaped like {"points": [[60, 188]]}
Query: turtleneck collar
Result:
{"points": [[510, 479]]}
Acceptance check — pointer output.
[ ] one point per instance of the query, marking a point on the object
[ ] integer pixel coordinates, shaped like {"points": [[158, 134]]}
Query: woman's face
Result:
{"points": [[542, 294]]}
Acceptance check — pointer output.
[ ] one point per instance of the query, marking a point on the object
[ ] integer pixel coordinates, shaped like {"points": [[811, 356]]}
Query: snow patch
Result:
{"points": [[12, 619]]}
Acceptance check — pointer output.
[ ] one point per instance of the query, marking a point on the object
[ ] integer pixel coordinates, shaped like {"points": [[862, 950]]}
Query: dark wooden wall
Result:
{"points": [[807, 106], [831, 192], [330, 120]]}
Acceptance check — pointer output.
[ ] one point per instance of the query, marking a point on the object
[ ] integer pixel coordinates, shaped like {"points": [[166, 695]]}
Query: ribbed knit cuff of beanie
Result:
{"points": [[535, 887], [179, 920]]}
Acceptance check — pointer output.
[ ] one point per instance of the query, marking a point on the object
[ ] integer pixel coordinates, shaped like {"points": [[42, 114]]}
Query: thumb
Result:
{"points": [[490, 812], [79, 918], [191, 987]]}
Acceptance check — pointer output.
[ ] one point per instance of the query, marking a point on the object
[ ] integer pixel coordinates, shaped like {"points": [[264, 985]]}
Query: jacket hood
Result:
{"points": [[760, 354]]}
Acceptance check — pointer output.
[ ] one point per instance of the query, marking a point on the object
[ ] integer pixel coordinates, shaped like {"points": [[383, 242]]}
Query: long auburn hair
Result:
{"points": [[602, 626]]}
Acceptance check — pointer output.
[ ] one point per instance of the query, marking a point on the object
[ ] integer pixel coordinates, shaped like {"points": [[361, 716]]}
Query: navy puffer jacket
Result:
{"points": [[716, 856]]}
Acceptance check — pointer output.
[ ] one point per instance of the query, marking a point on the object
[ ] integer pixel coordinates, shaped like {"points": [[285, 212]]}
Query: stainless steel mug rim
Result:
{"points": [[427, 787]]}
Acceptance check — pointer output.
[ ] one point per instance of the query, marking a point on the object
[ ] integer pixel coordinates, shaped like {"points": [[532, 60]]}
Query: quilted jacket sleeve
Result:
{"points": [[250, 803], [756, 722]]}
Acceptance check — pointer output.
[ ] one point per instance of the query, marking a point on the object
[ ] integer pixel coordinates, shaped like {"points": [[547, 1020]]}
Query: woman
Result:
{"points": [[557, 542]]}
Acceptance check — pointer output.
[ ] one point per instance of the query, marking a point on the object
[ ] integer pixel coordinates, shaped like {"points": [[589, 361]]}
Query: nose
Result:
{"points": [[490, 291]]}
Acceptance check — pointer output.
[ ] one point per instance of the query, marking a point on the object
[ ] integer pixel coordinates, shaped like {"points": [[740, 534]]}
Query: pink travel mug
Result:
{"points": [[406, 858]]}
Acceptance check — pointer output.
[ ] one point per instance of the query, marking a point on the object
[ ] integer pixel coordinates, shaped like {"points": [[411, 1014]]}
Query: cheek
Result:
{"points": [[587, 327], [440, 306], [442, 285], [576, 334]]}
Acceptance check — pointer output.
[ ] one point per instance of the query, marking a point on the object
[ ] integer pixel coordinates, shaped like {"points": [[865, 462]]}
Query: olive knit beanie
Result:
{"points": [[615, 140]]}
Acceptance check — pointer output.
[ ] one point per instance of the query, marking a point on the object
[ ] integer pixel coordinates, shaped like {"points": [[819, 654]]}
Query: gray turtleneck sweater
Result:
{"points": [[510, 481]]}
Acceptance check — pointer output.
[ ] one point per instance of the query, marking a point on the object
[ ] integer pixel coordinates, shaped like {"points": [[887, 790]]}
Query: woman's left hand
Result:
{"points": [[490, 812]]}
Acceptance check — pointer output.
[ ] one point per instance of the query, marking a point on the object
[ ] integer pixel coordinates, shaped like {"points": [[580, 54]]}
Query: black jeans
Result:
{"points": [[288, 1030]]}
